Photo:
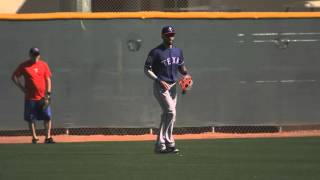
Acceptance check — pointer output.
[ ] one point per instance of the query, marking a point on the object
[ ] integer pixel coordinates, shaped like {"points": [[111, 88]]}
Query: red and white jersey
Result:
{"points": [[35, 74]]}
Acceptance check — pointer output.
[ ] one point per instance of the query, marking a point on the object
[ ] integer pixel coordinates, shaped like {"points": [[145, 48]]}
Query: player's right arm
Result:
{"points": [[151, 74], [148, 71], [16, 79]]}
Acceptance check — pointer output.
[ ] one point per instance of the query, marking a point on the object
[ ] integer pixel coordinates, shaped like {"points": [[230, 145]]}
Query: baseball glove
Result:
{"points": [[45, 101], [186, 83]]}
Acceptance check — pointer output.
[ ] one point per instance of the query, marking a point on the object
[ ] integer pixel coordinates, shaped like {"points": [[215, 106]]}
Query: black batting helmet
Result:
{"points": [[34, 51]]}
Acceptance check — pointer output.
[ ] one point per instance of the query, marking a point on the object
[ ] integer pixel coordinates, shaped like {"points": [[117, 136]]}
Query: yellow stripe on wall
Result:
{"points": [[161, 15]]}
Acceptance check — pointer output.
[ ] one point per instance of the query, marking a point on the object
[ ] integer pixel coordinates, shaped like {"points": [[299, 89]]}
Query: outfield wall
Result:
{"points": [[247, 71]]}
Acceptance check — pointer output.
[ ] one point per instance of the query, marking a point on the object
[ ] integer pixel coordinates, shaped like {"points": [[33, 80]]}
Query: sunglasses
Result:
{"points": [[170, 35], [35, 54]]}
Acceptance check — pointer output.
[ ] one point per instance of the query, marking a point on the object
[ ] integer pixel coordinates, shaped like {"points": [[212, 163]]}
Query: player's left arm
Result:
{"points": [[48, 84], [186, 81], [47, 76], [183, 70], [46, 100], [182, 67]]}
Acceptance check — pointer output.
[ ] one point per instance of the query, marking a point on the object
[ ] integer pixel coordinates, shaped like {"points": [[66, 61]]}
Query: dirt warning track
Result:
{"points": [[149, 137]]}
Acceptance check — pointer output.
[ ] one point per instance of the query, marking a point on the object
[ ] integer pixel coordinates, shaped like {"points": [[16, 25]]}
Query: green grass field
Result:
{"points": [[221, 159]]}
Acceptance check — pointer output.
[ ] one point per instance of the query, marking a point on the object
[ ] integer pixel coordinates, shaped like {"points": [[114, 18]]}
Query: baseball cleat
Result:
{"points": [[172, 150], [35, 140], [160, 149], [49, 141]]}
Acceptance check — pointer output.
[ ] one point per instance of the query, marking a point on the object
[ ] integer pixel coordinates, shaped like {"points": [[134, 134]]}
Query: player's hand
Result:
{"points": [[165, 86], [45, 101]]}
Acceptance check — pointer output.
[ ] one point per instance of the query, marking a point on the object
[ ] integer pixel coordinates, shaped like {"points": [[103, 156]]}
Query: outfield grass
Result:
{"points": [[223, 159]]}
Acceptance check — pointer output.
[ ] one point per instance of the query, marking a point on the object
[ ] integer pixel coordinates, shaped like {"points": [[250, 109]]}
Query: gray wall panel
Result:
{"points": [[242, 75]]}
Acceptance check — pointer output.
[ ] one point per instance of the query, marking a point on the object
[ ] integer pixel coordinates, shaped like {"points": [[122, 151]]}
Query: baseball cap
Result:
{"points": [[34, 51], [168, 30]]}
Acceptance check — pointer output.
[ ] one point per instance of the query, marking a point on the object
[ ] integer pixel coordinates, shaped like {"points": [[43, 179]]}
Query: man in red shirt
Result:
{"points": [[37, 90]]}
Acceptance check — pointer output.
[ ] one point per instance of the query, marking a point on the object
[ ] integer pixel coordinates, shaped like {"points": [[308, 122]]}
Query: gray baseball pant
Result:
{"points": [[167, 100]]}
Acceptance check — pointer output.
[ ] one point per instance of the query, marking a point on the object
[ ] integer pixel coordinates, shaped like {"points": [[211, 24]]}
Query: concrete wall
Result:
{"points": [[29, 6], [11, 6], [246, 72], [44, 6]]}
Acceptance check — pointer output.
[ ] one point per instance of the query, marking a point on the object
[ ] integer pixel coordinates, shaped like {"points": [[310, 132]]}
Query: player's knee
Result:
{"points": [[171, 112]]}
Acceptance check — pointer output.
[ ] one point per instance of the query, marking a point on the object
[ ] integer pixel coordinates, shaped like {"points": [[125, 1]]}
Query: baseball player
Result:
{"points": [[162, 66], [37, 90]]}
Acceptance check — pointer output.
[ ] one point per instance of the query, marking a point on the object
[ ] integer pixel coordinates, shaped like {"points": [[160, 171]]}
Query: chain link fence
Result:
{"points": [[204, 5], [143, 131], [106, 131], [154, 131], [138, 5], [44, 6]]}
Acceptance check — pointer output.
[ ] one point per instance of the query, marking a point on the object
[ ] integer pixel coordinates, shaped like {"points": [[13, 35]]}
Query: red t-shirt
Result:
{"points": [[35, 74]]}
